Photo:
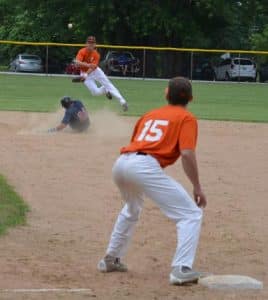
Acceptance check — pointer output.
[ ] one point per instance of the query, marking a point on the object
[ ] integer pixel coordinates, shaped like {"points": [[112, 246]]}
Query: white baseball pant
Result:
{"points": [[138, 175], [106, 85]]}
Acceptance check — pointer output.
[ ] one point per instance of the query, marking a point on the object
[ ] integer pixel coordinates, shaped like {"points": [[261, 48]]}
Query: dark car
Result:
{"points": [[72, 68], [263, 73], [120, 62], [203, 70]]}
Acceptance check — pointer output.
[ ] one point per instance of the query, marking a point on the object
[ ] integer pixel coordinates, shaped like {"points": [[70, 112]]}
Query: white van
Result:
{"points": [[236, 69]]}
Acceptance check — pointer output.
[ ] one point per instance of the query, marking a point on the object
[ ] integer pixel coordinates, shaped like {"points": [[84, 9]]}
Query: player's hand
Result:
{"points": [[52, 130], [199, 197], [91, 68]]}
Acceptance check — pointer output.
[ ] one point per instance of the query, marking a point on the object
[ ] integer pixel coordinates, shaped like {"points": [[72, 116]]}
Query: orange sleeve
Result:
{"points": [[188, 134], [80, 55]]}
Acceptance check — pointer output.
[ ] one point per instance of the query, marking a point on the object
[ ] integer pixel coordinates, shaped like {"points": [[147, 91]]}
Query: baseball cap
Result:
{"points": [[91, 39]]}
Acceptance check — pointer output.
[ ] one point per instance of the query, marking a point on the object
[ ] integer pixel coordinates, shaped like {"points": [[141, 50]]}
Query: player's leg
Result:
{"points": [[143, 173], [109, 87], [126, 220], [124, 226], [176, 204], [81, 126], [92, 86]]}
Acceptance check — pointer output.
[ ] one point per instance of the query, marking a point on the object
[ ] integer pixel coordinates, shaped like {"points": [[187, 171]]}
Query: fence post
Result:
{"points": [[47, 59], [191, 66], [144, 63], [239, 68]]}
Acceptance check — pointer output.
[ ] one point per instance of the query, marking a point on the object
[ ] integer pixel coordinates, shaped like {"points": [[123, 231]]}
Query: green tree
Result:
{"points": [[177, 23]]}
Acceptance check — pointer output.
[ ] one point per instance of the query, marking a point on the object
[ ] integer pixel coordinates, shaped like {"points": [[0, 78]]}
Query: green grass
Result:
{"points": [[4, 68], [12, 207], [213, 101]]}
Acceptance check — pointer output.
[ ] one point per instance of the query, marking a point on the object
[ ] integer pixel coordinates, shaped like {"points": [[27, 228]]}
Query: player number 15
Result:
{"points": [[152, 131]]}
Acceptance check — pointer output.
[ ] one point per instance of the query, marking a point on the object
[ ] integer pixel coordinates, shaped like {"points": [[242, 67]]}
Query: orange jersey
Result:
{"points": [[163, 133], [87, 56]]}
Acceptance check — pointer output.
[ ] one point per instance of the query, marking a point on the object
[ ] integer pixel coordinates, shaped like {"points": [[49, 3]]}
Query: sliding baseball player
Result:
{"points": [[76, 116]]}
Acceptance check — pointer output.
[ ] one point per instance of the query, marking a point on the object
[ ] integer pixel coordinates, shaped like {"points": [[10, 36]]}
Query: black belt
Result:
{"points": [[141, 153]]}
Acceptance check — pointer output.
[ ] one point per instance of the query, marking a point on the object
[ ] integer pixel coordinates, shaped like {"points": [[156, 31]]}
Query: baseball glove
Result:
{"points": [[78, 79]]}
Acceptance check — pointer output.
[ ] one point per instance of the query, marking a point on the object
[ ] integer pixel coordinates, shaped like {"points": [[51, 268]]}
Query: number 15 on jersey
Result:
{"points": [[152, 131]]}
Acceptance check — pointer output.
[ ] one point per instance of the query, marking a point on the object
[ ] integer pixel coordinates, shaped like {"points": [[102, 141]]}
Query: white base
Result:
{"points": [[227, 282]]}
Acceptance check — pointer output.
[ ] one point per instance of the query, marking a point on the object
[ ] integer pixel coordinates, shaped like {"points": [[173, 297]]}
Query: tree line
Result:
{"points": [[214, 24]]}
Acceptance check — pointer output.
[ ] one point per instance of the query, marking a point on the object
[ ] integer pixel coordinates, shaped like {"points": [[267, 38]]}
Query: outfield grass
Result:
{"points": [[12, 208], [214, 101]]}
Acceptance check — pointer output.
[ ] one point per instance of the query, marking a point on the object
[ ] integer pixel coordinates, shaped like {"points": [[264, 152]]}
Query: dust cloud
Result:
{"points": [[39, 123], [103, 123]]}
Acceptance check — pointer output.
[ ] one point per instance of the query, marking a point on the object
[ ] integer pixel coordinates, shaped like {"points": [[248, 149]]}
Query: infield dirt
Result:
{"points": [[66, 180]]}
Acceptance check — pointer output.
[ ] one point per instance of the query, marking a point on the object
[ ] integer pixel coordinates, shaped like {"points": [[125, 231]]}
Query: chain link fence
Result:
{"points": [[142, 62]]}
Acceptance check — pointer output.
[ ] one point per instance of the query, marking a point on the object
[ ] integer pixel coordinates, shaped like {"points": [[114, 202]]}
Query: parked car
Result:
{"points": [[72, 68], [236, 68], [120, 62], [263, 73], [26, 63]]}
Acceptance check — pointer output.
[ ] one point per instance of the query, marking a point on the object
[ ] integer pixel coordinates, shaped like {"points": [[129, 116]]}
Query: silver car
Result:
{"points": [[26, 63]]}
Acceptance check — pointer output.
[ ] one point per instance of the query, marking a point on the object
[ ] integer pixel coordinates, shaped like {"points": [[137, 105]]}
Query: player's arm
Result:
{"points": [[84, 64], [60, 127], [189, 163], [65, 121], [187, 140], [95, 63], [79, 60], [135, 130], [91, 66]]}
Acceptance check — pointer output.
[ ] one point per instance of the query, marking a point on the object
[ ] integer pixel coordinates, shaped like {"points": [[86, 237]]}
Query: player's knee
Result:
{"points": [[198, 214], [132, 212], [193, 217], [94, 92], [133, 216]]}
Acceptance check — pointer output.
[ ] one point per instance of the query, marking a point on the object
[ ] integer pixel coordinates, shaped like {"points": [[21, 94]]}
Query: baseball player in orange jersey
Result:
{"points": [[160, 137], [88, 59]]}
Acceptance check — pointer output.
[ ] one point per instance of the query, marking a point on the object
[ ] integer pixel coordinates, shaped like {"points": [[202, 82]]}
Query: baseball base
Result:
{"points": [[231, 282]]}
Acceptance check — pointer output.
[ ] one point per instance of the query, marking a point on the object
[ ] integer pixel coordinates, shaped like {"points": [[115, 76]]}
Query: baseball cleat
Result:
{"points": [[109, 95], [111, 264], [181, 275], [78, 79], [125, 106]]}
